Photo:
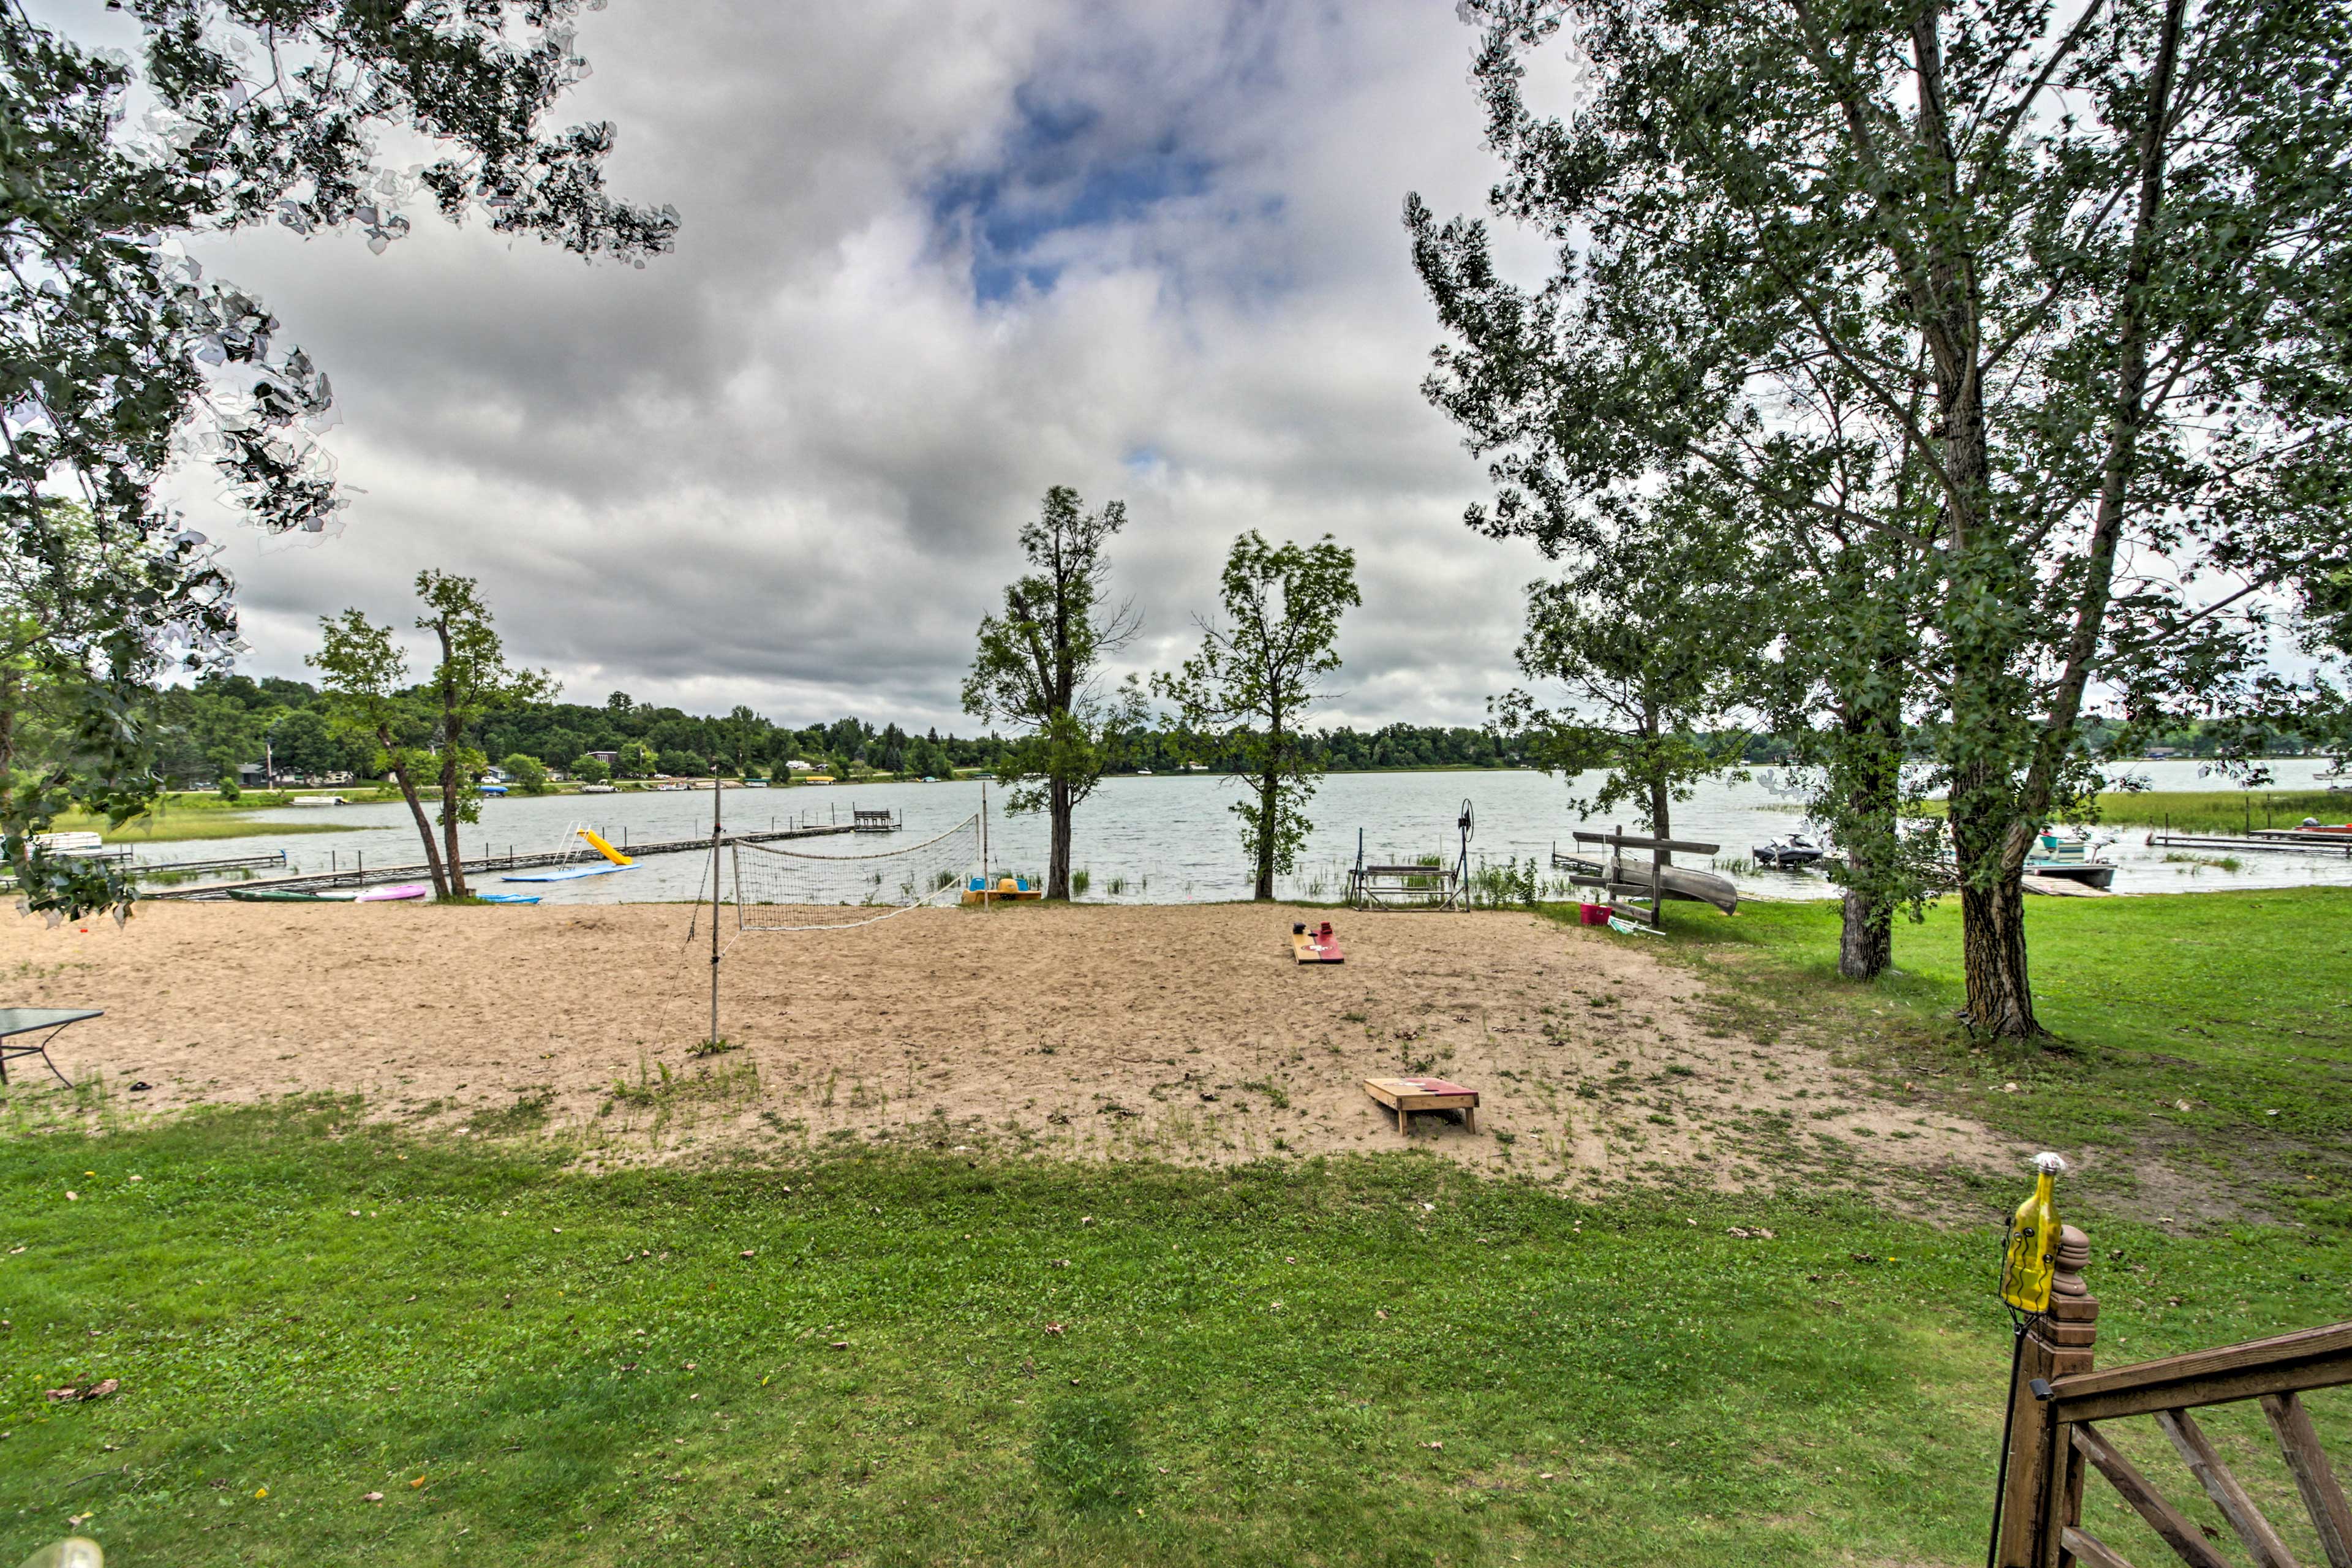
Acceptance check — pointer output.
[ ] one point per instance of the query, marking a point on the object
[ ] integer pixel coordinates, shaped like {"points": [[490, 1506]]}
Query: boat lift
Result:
{"points": [[1633, 897], [1415, 887]]}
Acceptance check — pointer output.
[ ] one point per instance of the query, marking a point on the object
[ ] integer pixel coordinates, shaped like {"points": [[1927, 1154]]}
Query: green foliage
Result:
{"points": [[590, 769], [1244, 694], [530, 775], [121, 353], [471, 681], [364, 679], [1039, 666], [1654, 635]]}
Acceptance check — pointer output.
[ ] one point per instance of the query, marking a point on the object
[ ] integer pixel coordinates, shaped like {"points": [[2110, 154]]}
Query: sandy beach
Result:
{"points": [[1185, 1032]]}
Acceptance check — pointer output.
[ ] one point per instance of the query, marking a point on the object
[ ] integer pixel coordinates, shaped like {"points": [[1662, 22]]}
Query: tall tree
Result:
{"points": [[1256, 677], [471, 681], [363, 678], [116, 353], [1040, 666], [2088, 268], [1655, 638]]}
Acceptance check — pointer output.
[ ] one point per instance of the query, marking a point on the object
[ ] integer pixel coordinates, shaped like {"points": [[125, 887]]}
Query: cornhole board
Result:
{"points": [[1407, 1095], [1315, 947]]}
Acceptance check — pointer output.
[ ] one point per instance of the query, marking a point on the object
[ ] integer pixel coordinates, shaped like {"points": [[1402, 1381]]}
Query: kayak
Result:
{"points": [[394, 894], [508, 898]]}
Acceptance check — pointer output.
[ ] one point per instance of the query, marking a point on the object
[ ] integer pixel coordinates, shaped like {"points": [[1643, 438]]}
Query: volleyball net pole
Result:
{"points": [[718, 791]]}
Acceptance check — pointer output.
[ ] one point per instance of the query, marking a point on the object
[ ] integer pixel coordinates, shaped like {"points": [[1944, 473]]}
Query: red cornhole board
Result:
{"points": [[1319, 946], [1407, 1095]]}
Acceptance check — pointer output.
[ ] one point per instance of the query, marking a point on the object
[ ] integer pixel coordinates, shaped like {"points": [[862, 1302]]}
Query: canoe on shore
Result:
{"points": [[1673, 882]]}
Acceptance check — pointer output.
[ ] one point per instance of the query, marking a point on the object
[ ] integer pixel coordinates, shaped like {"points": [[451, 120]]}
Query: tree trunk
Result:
{"points": [[1269, 801], [456, 863], [1661, 822], [1874, 752], [1866, 942], [1992, 943], [424, 827], [1059, 807]]}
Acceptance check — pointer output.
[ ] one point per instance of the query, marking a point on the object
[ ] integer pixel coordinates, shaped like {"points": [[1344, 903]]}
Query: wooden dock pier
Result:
{"points": [[363, 875], [2302, 843]]}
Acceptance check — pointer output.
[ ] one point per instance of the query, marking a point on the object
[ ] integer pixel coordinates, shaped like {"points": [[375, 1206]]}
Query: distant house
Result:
{"points": [[610, 759]]}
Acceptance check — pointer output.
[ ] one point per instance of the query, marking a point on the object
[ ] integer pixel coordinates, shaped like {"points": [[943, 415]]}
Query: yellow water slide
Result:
{"points": [[598, 842]]}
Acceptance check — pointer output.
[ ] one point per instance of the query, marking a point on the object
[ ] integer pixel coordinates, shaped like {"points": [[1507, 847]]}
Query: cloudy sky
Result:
{"points": [[937, 257]]}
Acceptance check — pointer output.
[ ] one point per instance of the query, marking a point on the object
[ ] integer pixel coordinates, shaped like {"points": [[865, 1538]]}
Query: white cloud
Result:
{"points": [[937, 257]]}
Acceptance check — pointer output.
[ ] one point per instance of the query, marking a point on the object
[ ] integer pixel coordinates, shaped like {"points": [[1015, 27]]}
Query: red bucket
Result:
{"points": [[1593, 914]]}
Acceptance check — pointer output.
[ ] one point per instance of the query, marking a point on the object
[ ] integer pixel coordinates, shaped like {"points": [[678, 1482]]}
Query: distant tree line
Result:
{"points": [[204, 732]]}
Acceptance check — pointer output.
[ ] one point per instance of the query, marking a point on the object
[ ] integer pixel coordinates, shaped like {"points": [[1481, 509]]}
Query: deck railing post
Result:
{"points": [[2042, 1491]]}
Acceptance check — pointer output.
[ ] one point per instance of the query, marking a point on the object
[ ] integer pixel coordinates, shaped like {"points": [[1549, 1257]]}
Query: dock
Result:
{"points": [[2261, 838], [361, 875]]}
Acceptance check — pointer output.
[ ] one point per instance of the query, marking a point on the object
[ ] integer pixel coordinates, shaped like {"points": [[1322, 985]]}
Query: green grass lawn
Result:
{"points": [[2214, 1029], [926, 1360]]}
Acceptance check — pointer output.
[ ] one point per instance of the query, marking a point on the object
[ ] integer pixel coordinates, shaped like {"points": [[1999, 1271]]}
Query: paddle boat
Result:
{"points": [[979, 890], [2069, 860]]}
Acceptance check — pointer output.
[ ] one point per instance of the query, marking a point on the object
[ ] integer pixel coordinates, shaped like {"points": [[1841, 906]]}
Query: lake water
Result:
{"points": [[1172, 839]]}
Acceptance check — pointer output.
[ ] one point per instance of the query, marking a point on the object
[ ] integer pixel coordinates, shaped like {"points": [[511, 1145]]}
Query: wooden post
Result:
{"points": [[2041, 1493]]}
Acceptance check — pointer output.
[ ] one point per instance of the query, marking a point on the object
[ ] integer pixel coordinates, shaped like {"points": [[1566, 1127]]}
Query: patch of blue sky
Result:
{"points": [[1060, 176]]}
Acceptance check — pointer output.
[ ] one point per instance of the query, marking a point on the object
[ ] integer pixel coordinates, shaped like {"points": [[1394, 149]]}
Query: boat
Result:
{"points": [[1791, 851], [317, 800], [2069, 860], [600, 789], [1675, 881], [508, 898]]}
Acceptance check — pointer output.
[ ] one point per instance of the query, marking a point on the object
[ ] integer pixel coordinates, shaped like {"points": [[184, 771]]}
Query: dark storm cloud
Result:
{"points": [[937, 258]]}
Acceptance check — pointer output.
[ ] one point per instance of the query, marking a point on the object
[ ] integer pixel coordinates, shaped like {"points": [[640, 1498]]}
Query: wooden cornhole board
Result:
{"points": [[1407, 1095], [1317, 947]]}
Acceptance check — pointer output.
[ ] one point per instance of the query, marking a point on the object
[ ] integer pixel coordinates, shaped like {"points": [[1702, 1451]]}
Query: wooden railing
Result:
{"points": [[2055, 1439]]}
